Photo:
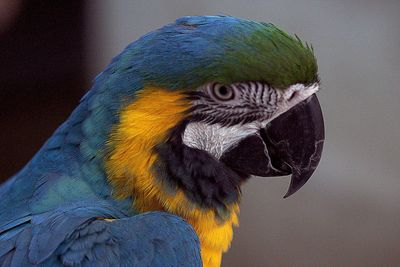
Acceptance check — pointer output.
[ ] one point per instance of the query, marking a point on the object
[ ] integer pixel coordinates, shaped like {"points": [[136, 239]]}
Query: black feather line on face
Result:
{"points": [[253, 101], [206, 181]]}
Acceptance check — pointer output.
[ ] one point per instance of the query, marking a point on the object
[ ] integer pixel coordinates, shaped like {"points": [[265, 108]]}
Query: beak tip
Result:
{"points": [[290, 192], [297, 182]]}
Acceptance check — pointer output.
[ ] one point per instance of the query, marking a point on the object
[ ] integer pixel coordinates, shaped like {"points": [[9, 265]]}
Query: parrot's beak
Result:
{"points": [[290, 144]]}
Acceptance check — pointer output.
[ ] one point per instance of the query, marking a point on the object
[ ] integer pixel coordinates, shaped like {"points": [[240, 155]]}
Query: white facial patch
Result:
{"points": [[215, 138]]}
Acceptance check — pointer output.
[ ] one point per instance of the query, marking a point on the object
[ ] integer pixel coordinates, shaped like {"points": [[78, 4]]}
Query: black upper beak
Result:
{"points": [[290, 144]]}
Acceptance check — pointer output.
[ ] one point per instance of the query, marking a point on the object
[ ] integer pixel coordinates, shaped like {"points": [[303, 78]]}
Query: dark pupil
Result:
{"points": [[223, 90]]}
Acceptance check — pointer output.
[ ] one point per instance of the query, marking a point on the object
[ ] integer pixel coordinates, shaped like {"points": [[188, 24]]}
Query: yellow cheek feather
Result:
{"points": [[143, 124]]}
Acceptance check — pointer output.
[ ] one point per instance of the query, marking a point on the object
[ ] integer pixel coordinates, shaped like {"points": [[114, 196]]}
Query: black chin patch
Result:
{"points": [[206, 181]]}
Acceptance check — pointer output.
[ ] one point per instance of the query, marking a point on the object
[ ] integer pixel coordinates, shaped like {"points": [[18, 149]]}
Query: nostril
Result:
{"points": [[291, 95]]}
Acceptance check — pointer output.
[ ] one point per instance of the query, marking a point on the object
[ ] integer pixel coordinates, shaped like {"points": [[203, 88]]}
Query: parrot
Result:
{"points": [[148, 168]]}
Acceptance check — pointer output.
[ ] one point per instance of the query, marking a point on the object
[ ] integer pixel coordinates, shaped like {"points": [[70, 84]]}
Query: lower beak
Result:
{"points": [[290, 144]]}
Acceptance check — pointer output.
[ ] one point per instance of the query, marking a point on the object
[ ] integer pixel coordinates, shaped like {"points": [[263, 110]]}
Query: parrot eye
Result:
{"points": [[222, 92]]}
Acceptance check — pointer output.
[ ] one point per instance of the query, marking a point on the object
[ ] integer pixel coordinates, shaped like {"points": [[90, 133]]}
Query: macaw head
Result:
{"points": [[202, 104]]}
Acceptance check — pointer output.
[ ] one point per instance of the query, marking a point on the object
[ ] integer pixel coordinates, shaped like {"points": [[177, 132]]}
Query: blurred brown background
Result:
{"points": [[347, 215]]}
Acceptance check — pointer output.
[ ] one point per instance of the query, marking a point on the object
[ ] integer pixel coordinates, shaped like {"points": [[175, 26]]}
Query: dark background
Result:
{"points": [[347, 215], [42, 75]]}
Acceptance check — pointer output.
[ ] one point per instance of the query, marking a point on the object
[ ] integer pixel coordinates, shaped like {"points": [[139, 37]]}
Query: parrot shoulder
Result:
{"points": [[89, 234]]}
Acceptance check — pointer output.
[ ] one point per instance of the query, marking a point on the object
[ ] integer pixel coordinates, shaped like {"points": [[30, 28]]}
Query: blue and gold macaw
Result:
{"points": [[147, 169]]}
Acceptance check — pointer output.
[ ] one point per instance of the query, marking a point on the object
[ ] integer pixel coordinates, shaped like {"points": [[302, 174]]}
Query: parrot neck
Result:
{"points": [[131, 169]]}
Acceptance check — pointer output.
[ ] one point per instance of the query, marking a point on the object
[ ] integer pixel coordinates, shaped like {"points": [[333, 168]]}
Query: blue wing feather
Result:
{"points": [[79, 235]]}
